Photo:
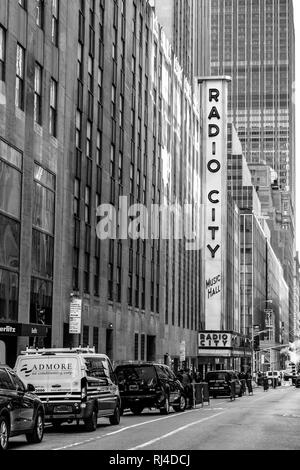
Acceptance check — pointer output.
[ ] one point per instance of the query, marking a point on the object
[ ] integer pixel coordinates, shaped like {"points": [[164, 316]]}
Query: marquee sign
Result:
{"points": [[214, 92]]}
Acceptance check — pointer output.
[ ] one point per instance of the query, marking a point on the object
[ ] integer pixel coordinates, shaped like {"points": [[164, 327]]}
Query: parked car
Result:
{"points": [[74, 384], [21, 411], [219, 383], [297, 382], [149, 385]]}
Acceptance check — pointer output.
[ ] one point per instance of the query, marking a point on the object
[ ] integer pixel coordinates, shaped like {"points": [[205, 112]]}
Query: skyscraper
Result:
{"points": [[253, 41], [186, 24]]}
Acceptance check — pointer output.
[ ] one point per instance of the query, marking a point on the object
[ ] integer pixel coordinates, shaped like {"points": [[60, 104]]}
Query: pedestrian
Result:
{"points": [[242, 377], [188, 387], [265, 383], [249, 382]]}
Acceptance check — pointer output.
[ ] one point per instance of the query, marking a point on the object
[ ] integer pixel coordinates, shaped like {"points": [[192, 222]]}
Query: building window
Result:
{"points": [[40, 13], [20, 72], [9, 291], [38, 94], [87, 205], [96, 338], [142, 347], [136, 347], [2, 53], [85, 336], [53, 107], [54, 22]]}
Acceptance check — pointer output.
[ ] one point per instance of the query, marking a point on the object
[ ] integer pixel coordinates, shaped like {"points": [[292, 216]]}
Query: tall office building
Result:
{"points": [[253, 41], [186, 24], [94, 105]]}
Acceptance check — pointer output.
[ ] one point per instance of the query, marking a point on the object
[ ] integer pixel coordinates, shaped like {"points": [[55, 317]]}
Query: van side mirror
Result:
{"points": [[30, 388]]}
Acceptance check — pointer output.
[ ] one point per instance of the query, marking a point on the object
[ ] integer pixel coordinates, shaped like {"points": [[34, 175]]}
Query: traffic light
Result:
{"points": [[256, 343]]}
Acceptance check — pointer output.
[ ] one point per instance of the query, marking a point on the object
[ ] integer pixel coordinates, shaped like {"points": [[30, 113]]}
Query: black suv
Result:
{"points": [[21, 412], [220, 381], [149, 385]]}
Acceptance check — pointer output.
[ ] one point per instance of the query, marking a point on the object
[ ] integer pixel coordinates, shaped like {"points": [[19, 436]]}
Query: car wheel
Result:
{"points": [[137, 410], [166, 408], [4, 433], [182, 404], [91, 421], [37, 434], [115, 419]]}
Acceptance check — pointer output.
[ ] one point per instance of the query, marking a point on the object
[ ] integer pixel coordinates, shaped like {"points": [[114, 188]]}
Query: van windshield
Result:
{"points": [[97, 367]]}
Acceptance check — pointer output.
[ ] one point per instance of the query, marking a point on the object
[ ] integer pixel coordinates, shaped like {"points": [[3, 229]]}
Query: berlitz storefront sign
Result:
{"points": [[23, 329], [214, 93]]}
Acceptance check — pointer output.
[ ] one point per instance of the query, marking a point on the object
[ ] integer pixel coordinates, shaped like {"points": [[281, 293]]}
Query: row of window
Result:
{"points": [[38, 85], [39, 9]]}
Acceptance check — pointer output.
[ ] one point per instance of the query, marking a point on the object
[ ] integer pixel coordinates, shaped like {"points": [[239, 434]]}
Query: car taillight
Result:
{"points": [[83, 393]]}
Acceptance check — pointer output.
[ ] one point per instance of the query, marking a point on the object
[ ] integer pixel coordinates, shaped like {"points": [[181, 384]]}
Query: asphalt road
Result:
{"points": [[265, 421]]}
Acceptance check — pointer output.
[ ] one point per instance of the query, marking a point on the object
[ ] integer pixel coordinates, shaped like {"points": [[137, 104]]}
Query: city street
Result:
{"points": [[265, 421]]}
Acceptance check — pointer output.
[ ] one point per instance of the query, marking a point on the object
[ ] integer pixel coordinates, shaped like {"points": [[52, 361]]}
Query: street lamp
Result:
{"points": [[259, 302]]}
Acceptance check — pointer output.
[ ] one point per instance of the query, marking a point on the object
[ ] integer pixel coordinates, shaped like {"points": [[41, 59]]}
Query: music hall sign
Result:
{"points": [[214, 98]]}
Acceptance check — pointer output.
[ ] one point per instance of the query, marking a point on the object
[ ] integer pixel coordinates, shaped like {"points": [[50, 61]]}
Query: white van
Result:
{"points": [[74, 384], [274, 374]]}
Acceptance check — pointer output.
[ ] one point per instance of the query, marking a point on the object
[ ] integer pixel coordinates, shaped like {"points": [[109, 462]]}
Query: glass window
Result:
{"points": [[9, 290], [42, 254], [38, 94], [97, 367], [39, 13], [5, 382], [43, 208], [2, 54], [54, 22], [9, 242], [10, 154], [53, 107], [10, 190], [44, 177], [20, 72], [18, 384], [41, 301]]}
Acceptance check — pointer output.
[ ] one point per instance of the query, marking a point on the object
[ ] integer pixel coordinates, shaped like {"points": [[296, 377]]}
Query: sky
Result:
{"points": [[297, 98]]}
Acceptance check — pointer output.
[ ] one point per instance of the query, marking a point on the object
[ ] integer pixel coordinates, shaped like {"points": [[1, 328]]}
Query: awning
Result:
{"points": [[23, 329]]}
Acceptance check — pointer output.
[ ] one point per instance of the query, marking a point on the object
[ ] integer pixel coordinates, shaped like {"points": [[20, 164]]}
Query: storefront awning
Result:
{"points": [[23, 329]]}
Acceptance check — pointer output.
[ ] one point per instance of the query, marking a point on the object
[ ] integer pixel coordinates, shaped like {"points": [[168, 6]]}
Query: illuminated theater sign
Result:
{"points": [[214, 92]]}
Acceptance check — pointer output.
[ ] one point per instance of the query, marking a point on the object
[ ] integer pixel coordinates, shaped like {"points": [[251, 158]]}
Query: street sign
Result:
{"points": [[75, 317], [262, 358]]}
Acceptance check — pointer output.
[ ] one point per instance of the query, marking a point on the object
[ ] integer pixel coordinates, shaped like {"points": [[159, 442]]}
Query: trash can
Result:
{"points": [[198, 393], [206, 398]]}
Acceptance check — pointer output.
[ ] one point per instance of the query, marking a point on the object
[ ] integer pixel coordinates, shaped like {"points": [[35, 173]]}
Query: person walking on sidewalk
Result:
{"points": [[265, 383], [249, 382]]}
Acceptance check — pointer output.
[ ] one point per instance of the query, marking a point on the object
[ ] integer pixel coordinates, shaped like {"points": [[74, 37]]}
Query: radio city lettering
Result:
{"points": [[214, 340], [213, 286], [213, 167]]}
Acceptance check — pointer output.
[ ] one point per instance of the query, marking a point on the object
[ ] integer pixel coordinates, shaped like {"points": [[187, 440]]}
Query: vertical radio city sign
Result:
{"points": [[214, 100]]}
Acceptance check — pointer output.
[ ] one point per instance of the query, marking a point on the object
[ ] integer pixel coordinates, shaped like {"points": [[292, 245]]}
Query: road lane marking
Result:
{"points": [[144, 423], [183, 428], [128, 427]]}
